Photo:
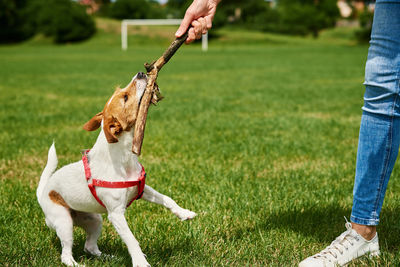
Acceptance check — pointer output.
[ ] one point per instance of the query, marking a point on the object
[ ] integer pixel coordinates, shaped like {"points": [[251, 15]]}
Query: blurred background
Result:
{"points": [[72, 21]]}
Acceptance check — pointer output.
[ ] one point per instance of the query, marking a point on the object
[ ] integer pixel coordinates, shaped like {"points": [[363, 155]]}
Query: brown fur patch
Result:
{"points": [[119, 113], [58, 199], [94, 122]]}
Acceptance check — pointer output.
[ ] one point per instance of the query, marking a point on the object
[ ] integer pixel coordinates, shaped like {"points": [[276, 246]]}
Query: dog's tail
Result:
{"points": [[48, 170]]}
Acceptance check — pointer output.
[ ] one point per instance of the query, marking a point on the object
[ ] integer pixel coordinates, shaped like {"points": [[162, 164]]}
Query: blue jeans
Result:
{"points": [[379, 137]]}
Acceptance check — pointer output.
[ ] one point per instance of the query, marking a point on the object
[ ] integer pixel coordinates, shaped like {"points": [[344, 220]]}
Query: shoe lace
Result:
{"points": [[339, 245]]}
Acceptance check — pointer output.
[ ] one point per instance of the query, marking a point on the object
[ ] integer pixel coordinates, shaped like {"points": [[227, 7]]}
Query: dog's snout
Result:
{"points": [[141, 75]]}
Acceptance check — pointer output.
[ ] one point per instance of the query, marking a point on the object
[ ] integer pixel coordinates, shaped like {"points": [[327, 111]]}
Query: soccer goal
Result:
{"points": [[126, 22]]}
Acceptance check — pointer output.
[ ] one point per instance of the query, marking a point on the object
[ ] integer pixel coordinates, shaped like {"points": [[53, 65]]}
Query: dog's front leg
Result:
{"points": [[120, 224], [152, 195]]}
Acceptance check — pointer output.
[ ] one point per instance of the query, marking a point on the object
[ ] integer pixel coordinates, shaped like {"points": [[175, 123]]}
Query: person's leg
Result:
{"points": [[380, 127], [378, 141], [377, 152]]}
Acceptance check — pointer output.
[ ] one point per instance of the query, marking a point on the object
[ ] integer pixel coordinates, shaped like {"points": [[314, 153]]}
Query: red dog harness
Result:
{"points": [[124, 184]]}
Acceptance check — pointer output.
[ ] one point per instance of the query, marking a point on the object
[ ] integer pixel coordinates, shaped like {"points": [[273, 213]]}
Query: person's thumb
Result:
{"points": [[187, 20]]}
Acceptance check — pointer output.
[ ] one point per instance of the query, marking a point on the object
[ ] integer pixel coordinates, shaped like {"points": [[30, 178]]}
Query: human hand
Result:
{"points": [[200, 15]]}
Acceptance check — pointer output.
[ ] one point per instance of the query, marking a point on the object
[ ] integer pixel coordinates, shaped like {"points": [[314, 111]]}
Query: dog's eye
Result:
{"points": [[126, 97]]}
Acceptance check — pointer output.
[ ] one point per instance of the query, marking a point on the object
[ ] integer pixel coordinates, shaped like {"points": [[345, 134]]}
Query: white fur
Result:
{"points": [[109, 162], [140, 87], [48, 170]]}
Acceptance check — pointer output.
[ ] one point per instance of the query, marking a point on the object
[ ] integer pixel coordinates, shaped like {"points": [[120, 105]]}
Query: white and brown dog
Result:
{"points": [[107, 179]]}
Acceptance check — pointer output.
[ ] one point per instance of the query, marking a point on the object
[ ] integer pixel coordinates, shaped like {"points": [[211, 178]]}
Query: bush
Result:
{"points": [[258, 15], [64, 20], [14, 23], [177, 8], [364, 33], [136, 9], [306, 16]]}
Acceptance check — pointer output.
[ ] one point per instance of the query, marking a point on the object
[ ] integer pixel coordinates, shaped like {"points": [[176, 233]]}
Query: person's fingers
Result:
{"points": [[197, 28], [187, 20], [209, 22], [203, 25], [198, 32], [191, 36]]}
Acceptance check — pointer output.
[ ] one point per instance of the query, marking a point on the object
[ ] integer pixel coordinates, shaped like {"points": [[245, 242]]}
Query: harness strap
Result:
{"points": [[100, 183]]}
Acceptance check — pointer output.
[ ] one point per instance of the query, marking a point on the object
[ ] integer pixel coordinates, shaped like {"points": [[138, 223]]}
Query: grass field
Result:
{"points": [[258, 136]]}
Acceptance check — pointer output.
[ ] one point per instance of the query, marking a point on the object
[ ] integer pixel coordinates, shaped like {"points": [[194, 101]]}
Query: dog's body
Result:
{"points": [[65, 197]]}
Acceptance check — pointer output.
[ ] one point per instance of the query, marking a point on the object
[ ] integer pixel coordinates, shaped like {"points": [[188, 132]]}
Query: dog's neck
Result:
{"points": [[118, 155]]}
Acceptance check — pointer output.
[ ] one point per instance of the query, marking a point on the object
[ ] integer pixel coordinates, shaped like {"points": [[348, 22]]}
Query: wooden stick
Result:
{"points": [[151, 88]]}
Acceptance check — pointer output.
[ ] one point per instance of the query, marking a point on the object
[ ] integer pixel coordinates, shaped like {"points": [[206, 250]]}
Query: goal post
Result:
{"points": [[142, 22]]}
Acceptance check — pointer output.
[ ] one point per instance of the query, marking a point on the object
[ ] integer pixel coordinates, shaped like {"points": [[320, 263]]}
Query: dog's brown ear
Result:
{"points": [[94, 122], [111, 128]]}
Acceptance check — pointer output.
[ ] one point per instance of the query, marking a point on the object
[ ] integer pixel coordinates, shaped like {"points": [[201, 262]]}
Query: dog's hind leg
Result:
{"points": [[58, 217], [152, 195], [91, 223]]}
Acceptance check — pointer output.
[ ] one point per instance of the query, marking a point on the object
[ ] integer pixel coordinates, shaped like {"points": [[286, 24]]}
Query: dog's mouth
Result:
{"points": [[141, 84]]}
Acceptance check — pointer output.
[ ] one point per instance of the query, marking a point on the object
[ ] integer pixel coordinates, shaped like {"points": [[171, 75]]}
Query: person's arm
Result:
{"points": [[200, 15]]}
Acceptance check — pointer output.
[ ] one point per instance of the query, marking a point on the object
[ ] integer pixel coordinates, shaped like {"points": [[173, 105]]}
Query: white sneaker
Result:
{"points": [[347, 247]]}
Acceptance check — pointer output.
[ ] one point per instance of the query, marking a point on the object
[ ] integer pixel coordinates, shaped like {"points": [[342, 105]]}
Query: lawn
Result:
{"points": [[258, 136]]}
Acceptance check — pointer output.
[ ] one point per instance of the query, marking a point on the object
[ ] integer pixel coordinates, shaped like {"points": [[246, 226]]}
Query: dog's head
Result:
{"points": [[120, 112]]}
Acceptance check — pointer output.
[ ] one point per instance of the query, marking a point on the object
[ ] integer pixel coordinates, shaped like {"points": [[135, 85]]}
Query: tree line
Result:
{"points": [[69, 21]]}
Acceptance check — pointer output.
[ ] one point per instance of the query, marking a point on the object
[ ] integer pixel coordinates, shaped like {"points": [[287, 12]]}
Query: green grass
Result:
{"points": [[258, 136]]}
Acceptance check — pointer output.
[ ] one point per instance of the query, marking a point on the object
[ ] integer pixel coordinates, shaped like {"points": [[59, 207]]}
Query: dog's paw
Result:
{"points": [[140, 262], [92, 250], [69, 260], [185, 214]]}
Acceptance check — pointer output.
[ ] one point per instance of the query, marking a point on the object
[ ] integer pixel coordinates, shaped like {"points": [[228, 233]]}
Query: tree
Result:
{"points": [[307, 16], [137, 9], [365, 18], [15, 26], [64, 20]]}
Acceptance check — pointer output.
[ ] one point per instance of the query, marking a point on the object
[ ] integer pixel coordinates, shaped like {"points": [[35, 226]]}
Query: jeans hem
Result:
{"points": [[361, 221]]}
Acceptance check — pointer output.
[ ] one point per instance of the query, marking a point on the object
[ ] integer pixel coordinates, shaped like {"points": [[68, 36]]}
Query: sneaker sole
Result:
{"points": [[370, 255]]}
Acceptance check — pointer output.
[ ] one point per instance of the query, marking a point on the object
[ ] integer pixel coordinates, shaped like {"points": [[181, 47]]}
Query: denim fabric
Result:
{"points": [[387, 1], [380, 123]]}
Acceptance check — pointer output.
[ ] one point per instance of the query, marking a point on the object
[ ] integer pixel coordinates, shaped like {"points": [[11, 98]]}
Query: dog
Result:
{"points": [[107, 179]]}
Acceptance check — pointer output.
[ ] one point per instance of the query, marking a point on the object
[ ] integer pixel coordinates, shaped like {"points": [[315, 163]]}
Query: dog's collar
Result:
{"points": [[100, 183]]}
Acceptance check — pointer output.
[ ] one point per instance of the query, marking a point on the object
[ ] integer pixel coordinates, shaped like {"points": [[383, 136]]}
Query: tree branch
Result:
{"points": [[151, 93]]}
